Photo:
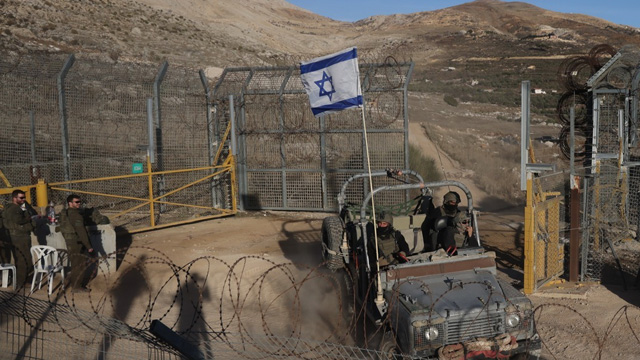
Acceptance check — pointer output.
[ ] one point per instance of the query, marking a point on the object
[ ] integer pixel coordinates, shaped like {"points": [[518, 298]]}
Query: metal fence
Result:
{"points": [[67, 118], [289, 160], [603, 113], [609, 248], [546, 231]]}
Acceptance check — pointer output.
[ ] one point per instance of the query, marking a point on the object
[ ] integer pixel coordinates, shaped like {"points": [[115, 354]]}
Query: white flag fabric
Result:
{"points": [[332, 82]]}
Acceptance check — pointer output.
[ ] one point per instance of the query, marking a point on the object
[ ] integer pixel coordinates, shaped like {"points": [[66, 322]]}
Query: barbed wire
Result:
{"points": [[257, 298]]}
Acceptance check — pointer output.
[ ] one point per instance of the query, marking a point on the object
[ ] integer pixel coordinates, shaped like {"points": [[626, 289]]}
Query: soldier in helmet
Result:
{"points": [[454, 234], [392, 246]]}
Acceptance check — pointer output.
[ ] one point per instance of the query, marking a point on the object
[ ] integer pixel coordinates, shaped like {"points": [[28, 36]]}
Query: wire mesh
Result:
{"points": [[290, 156], [99, 116], [550, 226]]}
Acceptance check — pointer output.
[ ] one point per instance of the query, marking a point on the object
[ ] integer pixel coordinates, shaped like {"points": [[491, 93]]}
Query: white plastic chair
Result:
{"points": [[46, 262], [5, 269]]}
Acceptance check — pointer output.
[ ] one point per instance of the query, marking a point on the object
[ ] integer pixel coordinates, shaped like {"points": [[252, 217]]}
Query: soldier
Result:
{"points": [[392, 246], [19, 220], [457, 231], [72, 225], [5, 242]]}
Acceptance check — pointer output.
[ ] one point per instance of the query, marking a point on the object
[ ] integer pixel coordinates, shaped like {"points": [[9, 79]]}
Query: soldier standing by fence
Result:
{"points": [[73, 228], [5, 242], [18, 219]]}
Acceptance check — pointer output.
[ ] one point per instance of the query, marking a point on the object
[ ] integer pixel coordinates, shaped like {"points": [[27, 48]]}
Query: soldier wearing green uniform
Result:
{"points": [[5, 242], [392, 246], [72, 225], [17, 218], [457, 232]]}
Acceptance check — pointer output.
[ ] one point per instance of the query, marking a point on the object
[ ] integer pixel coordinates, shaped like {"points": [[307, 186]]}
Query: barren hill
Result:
{"points": [[258, 32]]}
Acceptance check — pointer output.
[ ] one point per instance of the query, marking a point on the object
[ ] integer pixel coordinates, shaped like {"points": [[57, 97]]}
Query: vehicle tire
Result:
{"points": [[388, 349], [332, 231]]}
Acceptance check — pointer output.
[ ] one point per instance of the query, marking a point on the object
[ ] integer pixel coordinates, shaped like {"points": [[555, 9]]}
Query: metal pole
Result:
{"points": [[525, 98], [572, 140], [323, 163], [242, 170], [62, 108], [150, 130], [574, 237], [283, 159], [585, 235], [405, 98], [159, 145], [32, 121], [210, 136]]}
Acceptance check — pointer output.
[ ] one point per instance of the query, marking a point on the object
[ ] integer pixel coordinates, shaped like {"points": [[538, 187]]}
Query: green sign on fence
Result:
{"points": [[137, 168]]}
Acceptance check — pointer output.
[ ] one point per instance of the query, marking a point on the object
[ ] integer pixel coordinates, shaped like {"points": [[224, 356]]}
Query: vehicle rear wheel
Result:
{"points": [[332, 232]]}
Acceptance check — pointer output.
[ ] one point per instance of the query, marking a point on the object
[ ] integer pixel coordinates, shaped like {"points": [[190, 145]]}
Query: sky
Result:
{"points": [[624, 12]]}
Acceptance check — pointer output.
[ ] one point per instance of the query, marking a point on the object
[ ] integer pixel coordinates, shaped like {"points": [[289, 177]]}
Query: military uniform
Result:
{"points": [[5, 243], [455, 235], [390, 243], [20, 226], [77, 239], [72, 226]]}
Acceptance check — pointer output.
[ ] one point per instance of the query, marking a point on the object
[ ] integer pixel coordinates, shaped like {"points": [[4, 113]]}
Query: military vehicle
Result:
{"points": [[432, 304]]}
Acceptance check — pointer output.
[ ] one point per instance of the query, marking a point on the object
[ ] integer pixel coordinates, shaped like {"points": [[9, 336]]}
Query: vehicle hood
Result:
{"points": [[452, 294]]}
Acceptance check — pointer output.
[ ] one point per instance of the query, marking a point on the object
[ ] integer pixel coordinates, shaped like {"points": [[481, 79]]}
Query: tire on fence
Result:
{"points": [[332, 232]]}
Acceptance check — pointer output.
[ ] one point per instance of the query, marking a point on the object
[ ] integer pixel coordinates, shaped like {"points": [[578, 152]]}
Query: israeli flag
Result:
{"points": [[332, 82]]}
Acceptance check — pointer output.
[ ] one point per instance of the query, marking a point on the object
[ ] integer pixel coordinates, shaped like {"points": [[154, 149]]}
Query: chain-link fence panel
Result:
{"points": [[69, 119], [291, 160], [30, 145], [611, 251]]}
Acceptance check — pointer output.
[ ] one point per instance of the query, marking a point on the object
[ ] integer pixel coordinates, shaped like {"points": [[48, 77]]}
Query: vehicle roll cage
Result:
{"points": [[425, 188]]}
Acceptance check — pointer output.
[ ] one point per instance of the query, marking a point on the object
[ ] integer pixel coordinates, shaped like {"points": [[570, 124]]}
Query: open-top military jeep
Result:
{"points": [[434, 304]]}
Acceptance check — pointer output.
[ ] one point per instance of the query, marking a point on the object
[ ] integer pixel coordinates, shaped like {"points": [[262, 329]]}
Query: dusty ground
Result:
{"points": [[575, 323]]}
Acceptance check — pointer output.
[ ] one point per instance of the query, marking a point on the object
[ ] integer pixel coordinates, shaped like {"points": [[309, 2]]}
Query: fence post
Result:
{"points": [[235, 149], [574, 237], [62, 108], [159, 145], [529, 261], [215, 198], [41, 194], [525, 101]]}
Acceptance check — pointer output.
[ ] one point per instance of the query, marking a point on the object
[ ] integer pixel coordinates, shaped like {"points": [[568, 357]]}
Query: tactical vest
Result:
{"points": [[457, 219], [387, 246]]}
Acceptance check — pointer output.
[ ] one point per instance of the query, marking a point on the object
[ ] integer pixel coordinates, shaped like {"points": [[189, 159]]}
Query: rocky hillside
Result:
{"points": [[258, 32]]}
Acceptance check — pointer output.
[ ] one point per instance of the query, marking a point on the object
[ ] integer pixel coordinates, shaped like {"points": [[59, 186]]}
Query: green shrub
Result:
{"points": [[450, 100], [423, 165]]}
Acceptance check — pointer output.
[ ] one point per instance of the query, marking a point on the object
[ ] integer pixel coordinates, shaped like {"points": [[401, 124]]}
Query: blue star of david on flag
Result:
{"points": [[321, 84], [332, 82]]}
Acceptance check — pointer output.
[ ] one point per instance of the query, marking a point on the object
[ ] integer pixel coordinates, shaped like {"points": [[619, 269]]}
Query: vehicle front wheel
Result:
{"points": [[388, 348]]}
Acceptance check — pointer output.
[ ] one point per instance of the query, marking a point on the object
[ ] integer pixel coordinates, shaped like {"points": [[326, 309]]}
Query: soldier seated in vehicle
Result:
{"points": [[392, 246], [447, 227]]}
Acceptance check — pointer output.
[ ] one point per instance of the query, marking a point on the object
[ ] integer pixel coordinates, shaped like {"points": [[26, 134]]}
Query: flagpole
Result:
{"points": [[379, 298]]}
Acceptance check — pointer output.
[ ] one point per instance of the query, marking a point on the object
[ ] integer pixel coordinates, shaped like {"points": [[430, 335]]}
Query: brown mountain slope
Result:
{"points": [[258, 32]]}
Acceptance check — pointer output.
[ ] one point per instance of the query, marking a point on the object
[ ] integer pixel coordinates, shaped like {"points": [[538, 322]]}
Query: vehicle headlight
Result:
{"points": [[431, 334], [513, 320]]}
